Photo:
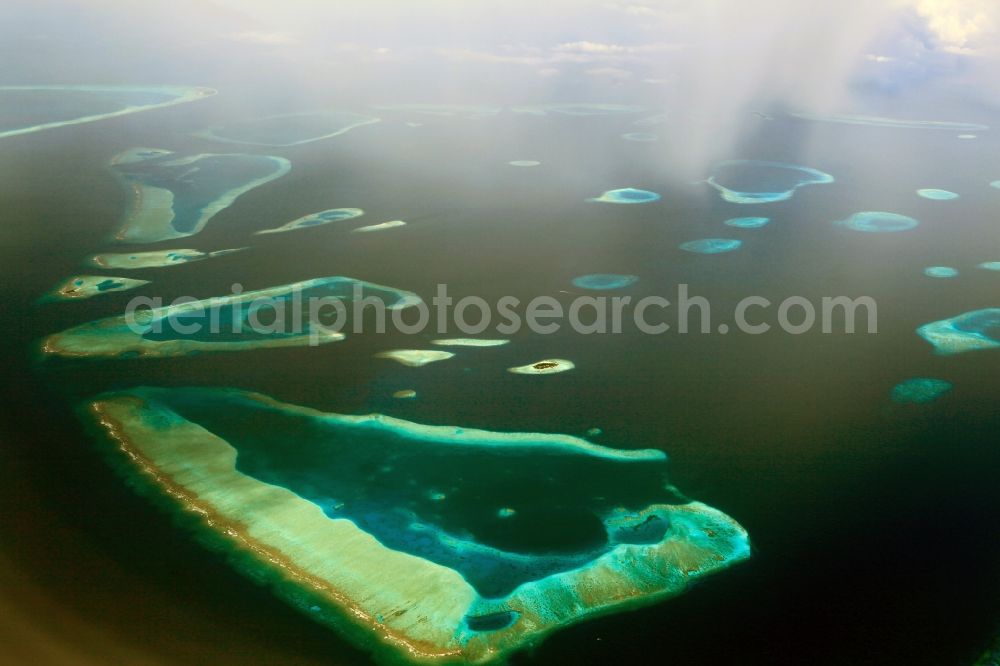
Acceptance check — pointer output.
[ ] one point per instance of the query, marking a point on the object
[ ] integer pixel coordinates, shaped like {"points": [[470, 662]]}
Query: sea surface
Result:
{"points": [[874, 524]]}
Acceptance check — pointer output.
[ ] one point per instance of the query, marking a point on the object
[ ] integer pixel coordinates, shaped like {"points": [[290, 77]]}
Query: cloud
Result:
{"points": [[262, 38], [609, 72], [960, 26]]}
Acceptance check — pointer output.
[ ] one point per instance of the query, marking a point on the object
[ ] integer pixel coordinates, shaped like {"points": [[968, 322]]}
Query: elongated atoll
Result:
{"points": [[80, 287], [879, 222], [469, 342], [547, 366], [898, 123], [989, 265], [941, 272], [415, 534], [524, 163], [51, 106], [936, 195], [316, 219], [920, 390], [289, 129], [154, 259], [711, 245], [969, 331], [626, 195], [174, 196], [381, 226], [604, 281], [747, 222], [650, 121], [415, 358], [756, 182], [304, 313]]}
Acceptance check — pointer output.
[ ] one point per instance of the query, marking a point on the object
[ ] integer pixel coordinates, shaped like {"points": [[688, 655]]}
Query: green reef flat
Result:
{"points": [[748, 222], [878, 121], [290, 129], [627, 195], [282, 316], [970, 331], [941, 272], [756, 182], [936, 195], [604, 281], [80, 287], [174, 196], [879, 222], [428, 543], [27, 109], [154, 259], [415, 358], [920, 390], [317, 219], [711, 245]]}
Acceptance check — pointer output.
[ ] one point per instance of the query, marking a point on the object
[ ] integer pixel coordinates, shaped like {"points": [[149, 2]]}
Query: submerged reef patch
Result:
{"points": [[711, 245], [80, 287], [755, 182], [578, 109], [524, 163], [445, 110], [920, 390], [970, 331], [642, 137], [290, 315], [415, 358], [154, 259], [416, 534], [627, 195], [937, 195], [990, 265], [941, 272], [547, 366], [289, 129], [879, 222], [604, 281], [316, 219], [27, 109], [748, 222], [174, 196]]}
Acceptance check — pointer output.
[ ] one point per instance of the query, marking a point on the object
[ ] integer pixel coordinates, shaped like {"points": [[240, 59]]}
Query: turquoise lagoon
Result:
{"points": [[758, 182]]}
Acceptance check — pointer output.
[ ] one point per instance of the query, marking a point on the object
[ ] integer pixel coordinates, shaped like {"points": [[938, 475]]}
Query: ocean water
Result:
{"points": [[873, 523]]}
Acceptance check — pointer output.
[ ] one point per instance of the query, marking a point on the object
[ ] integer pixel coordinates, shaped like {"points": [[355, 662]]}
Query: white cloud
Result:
{"points": [[262, 38]]}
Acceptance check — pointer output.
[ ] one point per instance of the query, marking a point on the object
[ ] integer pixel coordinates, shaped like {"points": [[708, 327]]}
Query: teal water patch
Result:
{"points": [[989, 265], [995, 184], [970, 331], [711, 245], [646, 137], [291, 315], [27, 109], [755, 182], [316, 219], [174, 196], [937, 195], [290, 129], [879, 222], [748, 222], [500, 509], [941, 272], [897, 123], [920, 390], [604, 281], [627, 195]]}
